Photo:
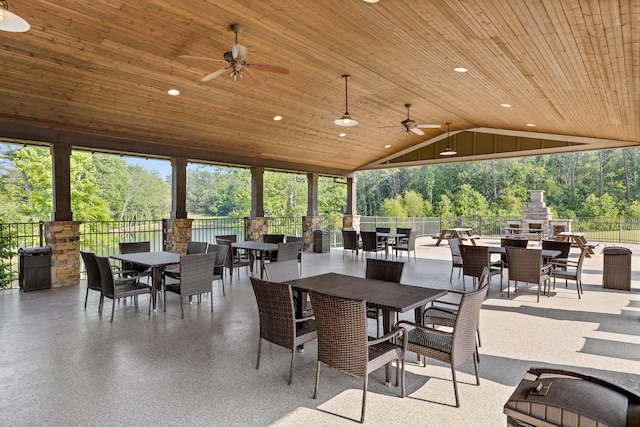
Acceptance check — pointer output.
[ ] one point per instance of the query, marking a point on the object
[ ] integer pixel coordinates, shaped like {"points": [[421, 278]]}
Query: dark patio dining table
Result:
{"points": [[547, 254], [390, 297], [260, 247], [156, 261]]}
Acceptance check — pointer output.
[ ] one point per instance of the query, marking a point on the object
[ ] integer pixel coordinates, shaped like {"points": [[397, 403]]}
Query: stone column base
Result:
{"points": [[309, 225], [255, 228], [64, 239], [176, 232], [351, 221]]}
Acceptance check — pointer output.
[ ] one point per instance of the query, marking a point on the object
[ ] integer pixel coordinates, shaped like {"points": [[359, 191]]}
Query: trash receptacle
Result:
{"points": [[321, 241], [616, 273], [35, 268]]}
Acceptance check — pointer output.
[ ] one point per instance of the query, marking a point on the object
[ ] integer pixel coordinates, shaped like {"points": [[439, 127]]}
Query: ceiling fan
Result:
{"points": [[239, 66], [409, 125]]}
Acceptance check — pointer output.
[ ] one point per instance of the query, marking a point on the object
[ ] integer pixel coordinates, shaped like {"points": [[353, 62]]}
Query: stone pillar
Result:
{"points": [[257, 192], [61, 163], [64, 239], [256, 228], [351, 221], [179, 188], [312, 194], [176, 232], [352, 184], [309, 225]]}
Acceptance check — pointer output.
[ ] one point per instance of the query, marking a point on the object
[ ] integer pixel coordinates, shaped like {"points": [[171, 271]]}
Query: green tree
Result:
{"points": [[469, 202], [393, 207], [413, 203]]}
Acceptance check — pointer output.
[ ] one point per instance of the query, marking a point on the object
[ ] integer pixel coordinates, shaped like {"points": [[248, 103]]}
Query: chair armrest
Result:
{"points": [[424, 328], [394, 333], [304, 319], [546, 269]]}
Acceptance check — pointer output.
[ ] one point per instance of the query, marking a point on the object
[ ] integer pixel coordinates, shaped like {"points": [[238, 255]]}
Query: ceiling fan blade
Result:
{"points": [[213, 75], [201, 58], [416, 131], [429, 126], [269, 68], [253, 77]]}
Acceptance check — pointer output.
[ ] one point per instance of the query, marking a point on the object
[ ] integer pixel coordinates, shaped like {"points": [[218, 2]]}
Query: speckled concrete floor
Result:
{"points": [[63, 365]]}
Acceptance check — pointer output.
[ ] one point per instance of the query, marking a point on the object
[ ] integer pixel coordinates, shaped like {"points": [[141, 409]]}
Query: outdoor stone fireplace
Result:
{"points": [[536, 221]]}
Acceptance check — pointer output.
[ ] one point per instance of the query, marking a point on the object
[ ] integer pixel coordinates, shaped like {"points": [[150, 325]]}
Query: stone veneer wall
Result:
{"points": [[175, 234], [64, 239], [256, 228], [309, 225]]}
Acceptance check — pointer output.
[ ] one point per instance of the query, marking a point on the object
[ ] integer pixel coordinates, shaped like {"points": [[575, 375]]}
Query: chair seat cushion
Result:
{"points": [[174, 273], [431, 340], [386, 349], [439, 317], [372, 313], [564, 274], [402, 247]]}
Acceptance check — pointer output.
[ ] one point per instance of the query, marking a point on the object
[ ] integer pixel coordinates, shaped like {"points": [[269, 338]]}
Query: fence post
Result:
{"points": [[619, 229]]}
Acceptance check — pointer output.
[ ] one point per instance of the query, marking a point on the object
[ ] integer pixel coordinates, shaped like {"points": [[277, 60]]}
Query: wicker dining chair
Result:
{"points": [[475, 259], [93, 276], [350, 242], [343, 343], [443, 311], [115, 288], [380, 269], [278, 323], [131, 248], [370, 242], [285, 271], [569, 270], [516, 243], [559, 262], [218, 268], [456, 257], [525, 265], [196, 278], [271, 238], [453, 347], [300, 240]]}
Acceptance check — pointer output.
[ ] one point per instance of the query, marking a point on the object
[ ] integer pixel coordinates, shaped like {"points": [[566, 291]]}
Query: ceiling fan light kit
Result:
{"points": [[447, 152], [346, 119], [11, 22]]}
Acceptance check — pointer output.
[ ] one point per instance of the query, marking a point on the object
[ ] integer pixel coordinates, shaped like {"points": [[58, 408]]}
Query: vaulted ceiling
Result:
{"points": [[95, 73]]}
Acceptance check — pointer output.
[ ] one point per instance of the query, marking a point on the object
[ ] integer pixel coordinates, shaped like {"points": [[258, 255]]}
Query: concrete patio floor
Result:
{"points": [[64, 365]]}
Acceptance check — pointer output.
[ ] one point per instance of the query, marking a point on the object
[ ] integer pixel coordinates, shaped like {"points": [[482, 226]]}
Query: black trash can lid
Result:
{"points": [[38, 250], [616, 250], [321, 231]]}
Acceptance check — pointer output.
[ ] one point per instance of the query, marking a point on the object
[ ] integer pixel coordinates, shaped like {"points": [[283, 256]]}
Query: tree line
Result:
{"points": [[105, 187], [588, 184]]}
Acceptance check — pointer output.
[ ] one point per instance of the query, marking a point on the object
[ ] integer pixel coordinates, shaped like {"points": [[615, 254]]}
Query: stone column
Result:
{"points": [[309, 225], [178, 187], [61, 163], [351, 221], [256, 228], [176, 232], [64, 239]]}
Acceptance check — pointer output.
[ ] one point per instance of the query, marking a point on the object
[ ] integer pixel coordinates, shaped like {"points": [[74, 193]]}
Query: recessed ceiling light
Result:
{"points": [[460, 70], [387, 146], [505, 105], [173, 92], [531, 124], [277, 118], [371, 1], [342, 135]]}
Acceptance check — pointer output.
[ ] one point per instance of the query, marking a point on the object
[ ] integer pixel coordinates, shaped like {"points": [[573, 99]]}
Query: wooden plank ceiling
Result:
{"points": [[96, 73]]}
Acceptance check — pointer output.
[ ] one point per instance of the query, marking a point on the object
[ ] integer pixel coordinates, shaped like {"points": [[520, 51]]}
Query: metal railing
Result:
{"points": [[206, 230], [104, 237], [289, 226], [14, 236]]}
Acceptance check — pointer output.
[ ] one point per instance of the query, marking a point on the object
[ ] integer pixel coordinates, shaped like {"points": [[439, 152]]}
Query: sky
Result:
{"points": [[163, 167]]}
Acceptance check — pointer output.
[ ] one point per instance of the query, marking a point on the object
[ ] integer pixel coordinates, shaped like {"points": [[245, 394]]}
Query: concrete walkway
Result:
{"points": [[64, 365]]}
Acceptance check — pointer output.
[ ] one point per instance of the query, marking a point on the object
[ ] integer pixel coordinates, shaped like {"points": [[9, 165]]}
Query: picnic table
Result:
{"points": [[577, 241], [456, 233]]}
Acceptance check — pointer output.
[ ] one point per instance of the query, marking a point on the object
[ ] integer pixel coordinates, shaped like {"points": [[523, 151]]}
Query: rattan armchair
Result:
{"points": [[278, 324], [271, 238], [234, 260], [380, 269], [564, 247], [285, 271], [454, 347], [569, 270], [192, 248], [474, 261], [93, 276], [115, 288], [409, 245], [343, 343], [525, 265], [516, 243], [196, 277], [443, 311]]}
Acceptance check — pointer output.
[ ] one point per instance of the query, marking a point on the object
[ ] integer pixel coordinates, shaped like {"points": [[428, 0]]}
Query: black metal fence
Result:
{"points": [[104, 237]]}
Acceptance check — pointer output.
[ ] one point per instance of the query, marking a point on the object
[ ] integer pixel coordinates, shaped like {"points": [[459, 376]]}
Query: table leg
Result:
{"points": [[388, 317], [439, 239], [156, 283]]}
